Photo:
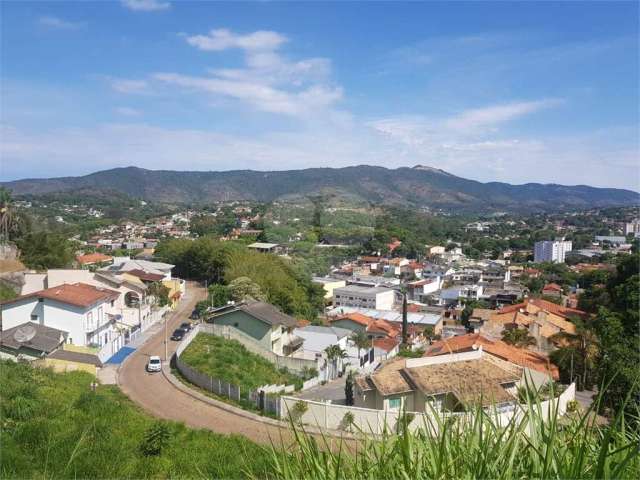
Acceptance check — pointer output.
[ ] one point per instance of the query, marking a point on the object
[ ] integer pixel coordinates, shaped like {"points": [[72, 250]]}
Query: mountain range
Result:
{"points": [[416, 186]]}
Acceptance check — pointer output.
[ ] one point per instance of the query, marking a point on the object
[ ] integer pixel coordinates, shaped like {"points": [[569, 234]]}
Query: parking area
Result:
{"points": [[331, 391]]}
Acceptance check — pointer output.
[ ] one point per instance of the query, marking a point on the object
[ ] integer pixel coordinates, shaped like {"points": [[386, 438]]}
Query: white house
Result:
{"points": [[135, 308], [83, 311], [125, 264], [378, 298]]}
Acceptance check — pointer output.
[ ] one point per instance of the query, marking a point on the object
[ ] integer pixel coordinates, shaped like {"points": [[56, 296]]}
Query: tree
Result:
{"points": [[361, 341], [581, 350], [219, 295], [243, 288], [159, 292], [429, 332], [334, 355], [43, 250], [348, 388], [518, 337]]}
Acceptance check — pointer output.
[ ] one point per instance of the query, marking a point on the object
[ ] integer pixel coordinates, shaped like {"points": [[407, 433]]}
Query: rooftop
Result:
{"points": [[77, 294]]}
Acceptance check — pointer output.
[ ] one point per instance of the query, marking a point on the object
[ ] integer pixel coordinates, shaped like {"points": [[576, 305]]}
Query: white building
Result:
{"points": [[551, 251], [632, 227], [84, 312], [378, 298]]}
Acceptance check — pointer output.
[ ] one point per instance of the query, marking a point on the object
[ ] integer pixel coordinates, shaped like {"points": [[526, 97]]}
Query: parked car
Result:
{"points": [[186, 326], [155, 364], [178, 334], [194, 315]]}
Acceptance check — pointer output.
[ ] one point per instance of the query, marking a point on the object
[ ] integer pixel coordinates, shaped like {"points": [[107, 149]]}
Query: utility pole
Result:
{"points": [[166, 347], [405, 323]]}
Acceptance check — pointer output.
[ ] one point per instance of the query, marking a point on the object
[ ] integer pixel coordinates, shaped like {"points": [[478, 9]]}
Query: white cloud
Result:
{"points": [[497, 114], [222, 39], [124, 85], [59, 23], [128, 111], [269, 82], [146, 5]]}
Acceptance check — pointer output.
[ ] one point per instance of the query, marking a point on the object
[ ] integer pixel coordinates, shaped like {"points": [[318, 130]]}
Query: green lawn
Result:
{"points": [[230, 361], [54, 426]]}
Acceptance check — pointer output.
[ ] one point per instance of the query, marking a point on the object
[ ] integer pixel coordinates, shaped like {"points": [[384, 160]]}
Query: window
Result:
{"points": [[90, 320], [41, 299], [395, 403], [34, 317]]}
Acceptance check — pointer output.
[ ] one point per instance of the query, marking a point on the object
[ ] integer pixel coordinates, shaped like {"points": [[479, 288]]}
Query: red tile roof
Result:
{"points": [[557, 309], [91, 258], [386, 344], [78, 294], [553, 287], [498, 348]]}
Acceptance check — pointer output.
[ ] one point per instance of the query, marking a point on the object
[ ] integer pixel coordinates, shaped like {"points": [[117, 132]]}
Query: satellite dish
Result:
{"points": [[24, 333]]}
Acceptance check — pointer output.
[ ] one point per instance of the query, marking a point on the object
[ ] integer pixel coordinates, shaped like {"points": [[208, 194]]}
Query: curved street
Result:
{"points": [[156, 395]]}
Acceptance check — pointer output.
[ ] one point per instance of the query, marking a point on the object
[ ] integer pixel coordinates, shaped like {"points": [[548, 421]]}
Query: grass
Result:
{"points": [[54, 426], [230, 361], [569, 447]]}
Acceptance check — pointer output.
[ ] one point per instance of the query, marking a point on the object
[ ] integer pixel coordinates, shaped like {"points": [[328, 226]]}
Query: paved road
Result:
{"points": [[157, 396]]}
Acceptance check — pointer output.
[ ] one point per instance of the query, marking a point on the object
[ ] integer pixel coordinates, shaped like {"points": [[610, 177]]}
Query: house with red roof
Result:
{"points": [[552, 290], [86, 314]]}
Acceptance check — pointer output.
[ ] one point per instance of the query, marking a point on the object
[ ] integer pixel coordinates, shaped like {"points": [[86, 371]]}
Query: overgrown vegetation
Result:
{"points": [[54, 426], [230, 361]]}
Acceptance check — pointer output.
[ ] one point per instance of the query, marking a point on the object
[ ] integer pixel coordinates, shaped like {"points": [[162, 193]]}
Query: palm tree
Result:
{"points": [[334, 353], [584, 344], [361, 341], [7, 218]]}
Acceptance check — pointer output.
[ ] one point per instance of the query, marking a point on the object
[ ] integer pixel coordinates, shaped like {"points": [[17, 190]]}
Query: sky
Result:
{"points": [[509, 91]]}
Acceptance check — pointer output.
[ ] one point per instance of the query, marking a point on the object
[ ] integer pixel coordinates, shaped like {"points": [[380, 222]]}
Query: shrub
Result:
{"points": [[298, 410], [572, 406], [155, 439]]}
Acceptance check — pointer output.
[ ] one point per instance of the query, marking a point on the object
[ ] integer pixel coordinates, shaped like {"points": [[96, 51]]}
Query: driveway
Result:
{"points": [[331, 391], [157, 396]]}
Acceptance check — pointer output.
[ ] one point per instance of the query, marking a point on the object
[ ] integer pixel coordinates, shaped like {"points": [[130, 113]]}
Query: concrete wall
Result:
{"points": [[368, 420]]}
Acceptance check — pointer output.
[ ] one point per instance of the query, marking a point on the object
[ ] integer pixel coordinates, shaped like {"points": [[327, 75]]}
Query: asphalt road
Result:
{"points": [[157, 396]]}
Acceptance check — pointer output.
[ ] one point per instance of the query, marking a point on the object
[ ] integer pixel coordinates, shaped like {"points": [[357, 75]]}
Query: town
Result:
{"points": [[313, 240]]}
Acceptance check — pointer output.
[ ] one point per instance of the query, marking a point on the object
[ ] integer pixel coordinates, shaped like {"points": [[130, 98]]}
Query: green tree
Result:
{"points": [[44, 250], [219, 295], [243, 288], [159, 292], [581, 350], [360, 340], [518, 337]]}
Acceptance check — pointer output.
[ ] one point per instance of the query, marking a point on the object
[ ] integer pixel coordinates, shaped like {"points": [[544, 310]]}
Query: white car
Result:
{"points": [[155, 364]]}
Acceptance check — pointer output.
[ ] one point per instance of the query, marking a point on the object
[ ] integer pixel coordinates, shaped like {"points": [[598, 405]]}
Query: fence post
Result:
{"points": [[326, 415]]}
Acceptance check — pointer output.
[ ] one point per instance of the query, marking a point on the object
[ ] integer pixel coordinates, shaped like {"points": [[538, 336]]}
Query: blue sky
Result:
{"points": [[516, 92]]}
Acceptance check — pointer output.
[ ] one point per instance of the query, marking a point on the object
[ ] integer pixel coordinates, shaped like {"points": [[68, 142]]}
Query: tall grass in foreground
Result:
{"points": [[573, 446]]}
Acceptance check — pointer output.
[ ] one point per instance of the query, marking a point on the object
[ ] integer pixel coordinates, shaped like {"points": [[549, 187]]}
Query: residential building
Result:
{"points": [[452, 383], [539, 368], [329, 284], [92, 259], [378, 298], [261, 321], [318, 338], [263, 247], [543, 320], [83, 311], [551, 251], [552, 290], [30, 341]]}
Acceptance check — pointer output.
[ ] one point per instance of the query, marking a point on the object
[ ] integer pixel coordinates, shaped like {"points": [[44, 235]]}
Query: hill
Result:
{"points": [[417, 186]]}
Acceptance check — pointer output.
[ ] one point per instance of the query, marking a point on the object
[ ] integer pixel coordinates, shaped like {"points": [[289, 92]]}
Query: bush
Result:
{"points": [[155, 439]]}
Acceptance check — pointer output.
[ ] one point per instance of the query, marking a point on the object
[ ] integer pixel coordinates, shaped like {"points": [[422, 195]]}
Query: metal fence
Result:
{"points": [[261, 398]]}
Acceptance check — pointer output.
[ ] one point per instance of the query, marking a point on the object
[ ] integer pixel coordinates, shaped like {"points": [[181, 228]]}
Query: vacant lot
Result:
{"points": [[229, 361]]}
